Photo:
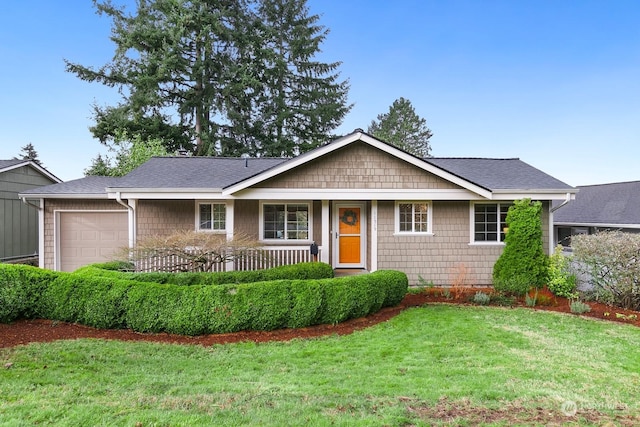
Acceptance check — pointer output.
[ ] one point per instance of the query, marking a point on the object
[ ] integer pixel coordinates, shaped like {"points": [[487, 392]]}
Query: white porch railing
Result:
{"points": [[252, 259], [273, 256]]}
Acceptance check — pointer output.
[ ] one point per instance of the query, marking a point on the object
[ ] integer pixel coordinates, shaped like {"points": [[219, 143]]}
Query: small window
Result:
{"points": [[285, 221], [490, 221], [413, 217], [212, 216]]}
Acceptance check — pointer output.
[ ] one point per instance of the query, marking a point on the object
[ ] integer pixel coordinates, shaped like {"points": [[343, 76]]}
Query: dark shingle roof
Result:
{"points": [[195, 172], [615, 203], [499, 174], [87, 185], [9, 163]]}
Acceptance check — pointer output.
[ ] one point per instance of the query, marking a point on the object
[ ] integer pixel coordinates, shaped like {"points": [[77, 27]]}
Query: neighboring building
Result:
{"points": [[18, 221], [366, 204], [614, 206]]}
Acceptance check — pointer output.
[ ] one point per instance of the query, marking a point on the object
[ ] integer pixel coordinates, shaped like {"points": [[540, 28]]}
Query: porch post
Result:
{"points": [[229, 227], [324, 253], [374, 235]]}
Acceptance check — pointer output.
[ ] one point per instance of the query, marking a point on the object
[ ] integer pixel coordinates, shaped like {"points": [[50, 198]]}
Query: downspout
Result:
{"points": [[567, 199], [131, 219], [40, 209], [26, 202], [552, 234]]}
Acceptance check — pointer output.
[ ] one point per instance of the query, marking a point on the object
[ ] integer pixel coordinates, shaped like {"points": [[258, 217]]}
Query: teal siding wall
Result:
{"points": [[18, 222]]}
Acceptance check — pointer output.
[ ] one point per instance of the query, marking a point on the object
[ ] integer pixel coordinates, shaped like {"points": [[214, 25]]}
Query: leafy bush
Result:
{"points": [[91, 300], [503, 300], [305, 270], [523, 263], [561, 281], [481, 298], [21, 287], [611, 261], [112, 299], [579, 307], [114, 266], [530, 301]]}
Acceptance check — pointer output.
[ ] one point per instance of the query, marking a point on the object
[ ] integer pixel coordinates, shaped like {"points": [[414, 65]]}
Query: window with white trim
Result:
{"points": [[285, 221], [413, 217], [211, 216], [490, 221]]}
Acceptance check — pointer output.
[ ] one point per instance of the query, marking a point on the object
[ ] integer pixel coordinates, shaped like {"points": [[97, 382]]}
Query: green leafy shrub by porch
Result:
{"points": [[561, 282], [21, 287], [523, 263]]}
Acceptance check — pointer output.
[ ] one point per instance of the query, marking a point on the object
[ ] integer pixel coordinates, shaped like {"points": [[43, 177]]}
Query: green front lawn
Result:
{"points": [[474, 360]]}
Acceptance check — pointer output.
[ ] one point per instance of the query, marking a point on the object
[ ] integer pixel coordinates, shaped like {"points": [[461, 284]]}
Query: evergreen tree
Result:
{"points": [[402, 127], [129, 155], [223, 77], [299, 100], [28, 152], [523, 263]]}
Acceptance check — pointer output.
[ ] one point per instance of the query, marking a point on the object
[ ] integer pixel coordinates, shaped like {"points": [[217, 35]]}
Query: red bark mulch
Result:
{"points": [[40, 330]]}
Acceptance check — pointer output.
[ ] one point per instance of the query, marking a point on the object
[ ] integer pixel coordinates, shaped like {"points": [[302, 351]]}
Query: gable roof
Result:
{"points": [[7, 165], [194, 172], [87, 187], [615, 204], [499, 174], [188, 177]]}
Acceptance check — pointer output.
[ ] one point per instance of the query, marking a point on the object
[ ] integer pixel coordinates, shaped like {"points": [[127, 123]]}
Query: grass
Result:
{"points": [[478, 357]]}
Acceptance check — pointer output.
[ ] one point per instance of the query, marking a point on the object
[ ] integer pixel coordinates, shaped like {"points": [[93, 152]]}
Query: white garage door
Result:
{"points": [[89, 237]]}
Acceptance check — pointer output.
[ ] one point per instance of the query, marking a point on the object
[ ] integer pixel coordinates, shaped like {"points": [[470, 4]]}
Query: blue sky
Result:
{"points": [[555, 83]]}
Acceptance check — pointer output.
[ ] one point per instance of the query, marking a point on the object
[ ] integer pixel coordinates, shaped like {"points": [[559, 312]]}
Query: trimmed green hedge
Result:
{"points": [[20, 289], [305, 270], [117, 301]]}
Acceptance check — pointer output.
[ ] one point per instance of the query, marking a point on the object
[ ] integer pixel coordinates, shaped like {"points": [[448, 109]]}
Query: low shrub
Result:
{"points": [[578, 307], [609, 261], [114, 266], [21, 287], [503, 300], [105, 298], [91, 300], [481, 298], [305, 270], [562, 282]]}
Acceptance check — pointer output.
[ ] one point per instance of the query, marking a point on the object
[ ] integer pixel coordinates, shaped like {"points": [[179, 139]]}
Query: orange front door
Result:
{"points": [[349, 235]]}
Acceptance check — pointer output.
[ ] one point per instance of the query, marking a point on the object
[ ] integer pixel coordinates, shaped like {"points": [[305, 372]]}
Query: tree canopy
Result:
{"points": [[129, 154], [402, 127], [219, 77], [28, 152]]}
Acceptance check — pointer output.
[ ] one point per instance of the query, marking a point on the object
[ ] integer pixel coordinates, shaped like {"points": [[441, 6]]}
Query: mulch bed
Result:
{"points": [[40, 330]]}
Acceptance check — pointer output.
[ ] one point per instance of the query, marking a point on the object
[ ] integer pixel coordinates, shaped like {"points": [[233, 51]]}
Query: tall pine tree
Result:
{"points": [[223, 77], [402, 127], [28, 152]]}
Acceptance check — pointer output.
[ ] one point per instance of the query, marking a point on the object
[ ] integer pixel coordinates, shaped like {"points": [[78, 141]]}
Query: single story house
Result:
{"points": [[365, 203], [19, 222], [614, 206]]}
